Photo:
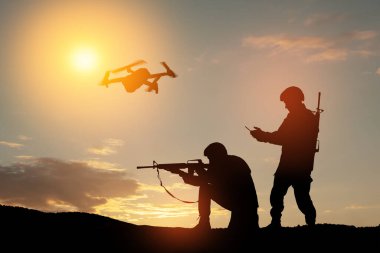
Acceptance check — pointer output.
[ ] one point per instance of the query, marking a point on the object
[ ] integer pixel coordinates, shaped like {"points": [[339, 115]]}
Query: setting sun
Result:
{"points": [[84, 59]]}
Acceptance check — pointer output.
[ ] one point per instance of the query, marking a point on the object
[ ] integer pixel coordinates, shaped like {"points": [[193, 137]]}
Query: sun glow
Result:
{"points": [[84, 59]]}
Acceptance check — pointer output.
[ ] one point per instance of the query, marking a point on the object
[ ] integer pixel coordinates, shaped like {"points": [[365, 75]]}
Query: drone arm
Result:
{"points": [[157, 76], [127, 68]]}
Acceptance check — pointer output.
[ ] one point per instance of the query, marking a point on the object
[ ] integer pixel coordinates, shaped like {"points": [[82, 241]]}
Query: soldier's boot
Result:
{"points": [[310, 220], [244, 221], [275, 224], [203, 224]]}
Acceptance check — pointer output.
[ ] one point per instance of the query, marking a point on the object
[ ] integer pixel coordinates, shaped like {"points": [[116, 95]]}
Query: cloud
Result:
{"points": [[284, 42], [363, 35], [16, 144], [323, 19], [50, 184], [364, 53], [107, 149], [318, 48], [312, 48], [102, 165], [158, 188], [328, 55], [378, 71], [101, 150], [271, 160], [358, 207], [24, 157], [11, 144], [114, 142], [22, 137], [147, 212]]}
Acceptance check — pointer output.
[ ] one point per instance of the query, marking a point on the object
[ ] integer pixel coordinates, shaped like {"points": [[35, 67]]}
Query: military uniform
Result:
{"points": [[228, 182], [297, 136]]}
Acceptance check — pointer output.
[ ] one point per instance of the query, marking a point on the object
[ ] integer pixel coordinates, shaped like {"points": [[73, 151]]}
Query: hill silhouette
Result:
{"points": [[31, 230]]}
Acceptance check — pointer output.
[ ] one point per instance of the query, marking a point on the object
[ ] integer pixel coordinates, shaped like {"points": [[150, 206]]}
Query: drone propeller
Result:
{"points": [[168, 70]]}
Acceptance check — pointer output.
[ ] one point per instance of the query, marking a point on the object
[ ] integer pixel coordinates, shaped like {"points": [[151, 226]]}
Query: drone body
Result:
{"points": [[137, 78]]}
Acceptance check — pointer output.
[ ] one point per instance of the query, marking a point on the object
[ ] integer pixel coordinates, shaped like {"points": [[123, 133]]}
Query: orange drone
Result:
{"points": [[137, 78]]}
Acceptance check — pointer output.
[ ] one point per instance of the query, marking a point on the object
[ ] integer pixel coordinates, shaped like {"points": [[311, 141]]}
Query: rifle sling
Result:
{"points": [[184, 201]]}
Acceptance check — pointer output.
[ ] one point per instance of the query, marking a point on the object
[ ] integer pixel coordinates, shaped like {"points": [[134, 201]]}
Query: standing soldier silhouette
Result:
{"points": [[297, 135]]}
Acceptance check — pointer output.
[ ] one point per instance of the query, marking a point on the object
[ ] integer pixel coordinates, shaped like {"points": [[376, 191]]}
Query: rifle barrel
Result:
{"points": [[173, 166], [146, 167]]}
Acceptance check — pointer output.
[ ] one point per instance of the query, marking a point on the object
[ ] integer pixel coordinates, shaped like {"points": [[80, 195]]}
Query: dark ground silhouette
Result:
{"points": [[30, 230]]}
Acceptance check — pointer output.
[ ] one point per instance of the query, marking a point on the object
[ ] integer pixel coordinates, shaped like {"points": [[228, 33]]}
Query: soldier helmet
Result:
{"points": [[292, 93], [215, 149]]}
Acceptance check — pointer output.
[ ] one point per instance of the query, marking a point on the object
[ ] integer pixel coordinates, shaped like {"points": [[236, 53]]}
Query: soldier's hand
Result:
{"points": [[200, 171], [258, 134], [182, 173]]}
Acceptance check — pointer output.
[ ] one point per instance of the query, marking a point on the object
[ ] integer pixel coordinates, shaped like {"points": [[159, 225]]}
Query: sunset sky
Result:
{"points": [[69, 144]]}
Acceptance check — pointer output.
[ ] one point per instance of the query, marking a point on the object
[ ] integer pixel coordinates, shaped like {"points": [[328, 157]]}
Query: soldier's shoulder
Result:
{"points": [[309, 112], [237, 160]]}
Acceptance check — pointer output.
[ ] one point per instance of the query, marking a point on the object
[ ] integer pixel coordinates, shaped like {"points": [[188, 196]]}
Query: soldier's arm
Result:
{"points": [[275, 137], [192, 180]]}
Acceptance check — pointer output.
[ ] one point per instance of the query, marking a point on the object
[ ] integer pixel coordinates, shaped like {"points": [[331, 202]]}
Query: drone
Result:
{"points": [[136, 78]]}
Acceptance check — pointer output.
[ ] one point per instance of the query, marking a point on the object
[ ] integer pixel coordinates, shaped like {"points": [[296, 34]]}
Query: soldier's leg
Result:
{"points": [[204, 201], [279, 190], [244, 218], [239, 218], [244, 215], [204, 207], [304, 202]]}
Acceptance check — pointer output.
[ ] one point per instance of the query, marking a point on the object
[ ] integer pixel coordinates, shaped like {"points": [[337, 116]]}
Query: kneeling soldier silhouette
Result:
{"points": [[228, 182]]}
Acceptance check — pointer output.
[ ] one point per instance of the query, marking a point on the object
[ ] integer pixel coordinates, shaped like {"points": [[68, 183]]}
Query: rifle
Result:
{"points": [[192, 166], [317, 118]]}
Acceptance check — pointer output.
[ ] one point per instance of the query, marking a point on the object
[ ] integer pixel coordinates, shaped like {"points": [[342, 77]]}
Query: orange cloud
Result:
{"points": [[284, 43], [11, 144], [158, 188], [364, 53], [316, 48], [24, 137], [363, 35], [97, 164], [51, 184], [101, 150], [323, 18], [328, 55], [114, 142], [356, 207], [107, 149], [313, 49], [24, 157], [146, 212]]}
